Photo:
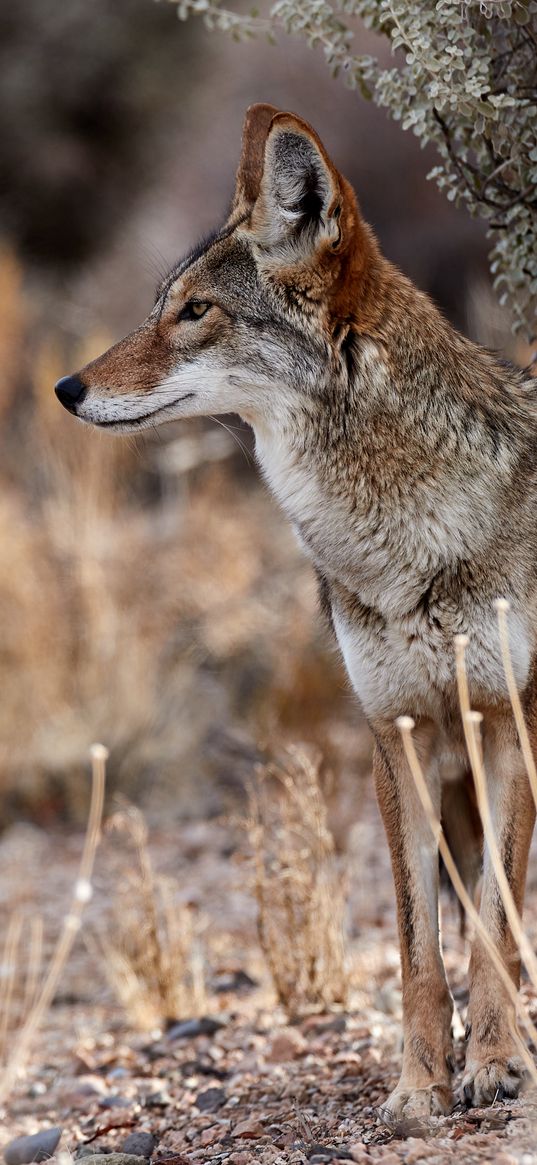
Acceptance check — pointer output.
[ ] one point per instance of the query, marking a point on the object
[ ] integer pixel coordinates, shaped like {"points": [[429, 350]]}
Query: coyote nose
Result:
{"points": [[70, 391]]}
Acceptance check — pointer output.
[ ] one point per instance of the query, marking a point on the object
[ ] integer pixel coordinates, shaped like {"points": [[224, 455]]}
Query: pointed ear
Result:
{"points": [[250, 172], [301, 194]]}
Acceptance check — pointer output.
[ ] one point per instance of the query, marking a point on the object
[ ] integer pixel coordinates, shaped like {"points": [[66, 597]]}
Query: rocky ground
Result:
{"points": [[239, 1085]]}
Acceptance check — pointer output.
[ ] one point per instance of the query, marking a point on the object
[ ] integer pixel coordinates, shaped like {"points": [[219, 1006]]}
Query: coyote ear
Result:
{"points": [[300, 197], [250, 172]]}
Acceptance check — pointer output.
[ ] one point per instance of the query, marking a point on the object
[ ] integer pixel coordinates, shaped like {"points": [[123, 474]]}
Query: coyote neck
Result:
{"points": [[380, 501]]}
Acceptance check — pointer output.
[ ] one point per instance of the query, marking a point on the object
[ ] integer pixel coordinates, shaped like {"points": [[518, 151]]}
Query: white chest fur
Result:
{"points": [[400, 659]]}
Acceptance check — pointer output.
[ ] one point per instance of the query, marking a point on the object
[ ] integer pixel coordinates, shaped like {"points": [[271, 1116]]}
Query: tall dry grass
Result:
{"points": [[299, 886], [150, 596], [29, 987], [151, 943], [472, 721]]}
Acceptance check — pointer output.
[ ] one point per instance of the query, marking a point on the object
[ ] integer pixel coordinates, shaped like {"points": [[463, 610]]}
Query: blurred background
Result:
{"points": [[151, 595]]}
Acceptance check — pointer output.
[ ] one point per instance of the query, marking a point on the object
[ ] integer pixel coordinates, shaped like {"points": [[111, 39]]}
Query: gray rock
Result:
{"points": [[89, 1151], [211, 1099], [189, 1028], [39, 1146], [115, 1101], [117, 1159], [141, 1144]]}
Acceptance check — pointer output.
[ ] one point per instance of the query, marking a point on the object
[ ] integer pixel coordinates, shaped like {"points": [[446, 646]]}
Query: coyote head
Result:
{"points": [[255, 320]]}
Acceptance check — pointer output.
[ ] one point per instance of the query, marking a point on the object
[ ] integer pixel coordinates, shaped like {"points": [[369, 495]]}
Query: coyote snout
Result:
{"points": [[404, 456]]}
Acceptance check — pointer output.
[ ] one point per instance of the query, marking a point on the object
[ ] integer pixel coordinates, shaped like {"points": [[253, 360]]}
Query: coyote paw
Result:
{"points": [[417, 1103], [495, 1079]]}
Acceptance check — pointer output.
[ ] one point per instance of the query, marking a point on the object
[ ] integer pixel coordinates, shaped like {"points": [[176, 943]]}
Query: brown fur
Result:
{"points": [[405, 456]]}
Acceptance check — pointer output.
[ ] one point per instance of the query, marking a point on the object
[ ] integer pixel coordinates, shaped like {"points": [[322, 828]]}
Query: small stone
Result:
{"points": [[209, 1136], [211, 1099], [38, 1147], [416, 1150], [158, 1099], [37, 1089], [248, 1128], [117, 1159], [188, 1029], [240, 1158], [360, 1154], [89, 1151], [288, 1044], [140, 1144], [76, 1092], [319, 1153], [233, 981]]}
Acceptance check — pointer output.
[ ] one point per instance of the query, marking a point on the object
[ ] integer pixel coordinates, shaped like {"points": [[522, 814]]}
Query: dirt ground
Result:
{"points": [[242, 1085]]}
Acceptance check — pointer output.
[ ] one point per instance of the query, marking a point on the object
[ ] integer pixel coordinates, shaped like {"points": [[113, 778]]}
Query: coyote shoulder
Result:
{"points": [[405, 457]]}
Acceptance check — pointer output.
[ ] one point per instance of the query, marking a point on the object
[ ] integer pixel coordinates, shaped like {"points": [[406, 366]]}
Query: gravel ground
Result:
{"points": [[249, 1087]]}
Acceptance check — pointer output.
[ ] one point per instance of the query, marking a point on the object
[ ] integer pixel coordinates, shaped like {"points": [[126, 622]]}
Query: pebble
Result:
{"points": [[75, 1092], [209, 1136], [188, 1029], [248, 1128], [39, 1146], [89, 1151], [360, 1154], [115, 1101], [211, 1099], [415, 1150], [288, 1044], [318, 1153], [139, 1144], [233, 981], [117, 1159]]}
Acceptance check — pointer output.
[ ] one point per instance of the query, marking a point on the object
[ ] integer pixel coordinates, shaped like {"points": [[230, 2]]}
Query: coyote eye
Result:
{"points": [[194, 310]]}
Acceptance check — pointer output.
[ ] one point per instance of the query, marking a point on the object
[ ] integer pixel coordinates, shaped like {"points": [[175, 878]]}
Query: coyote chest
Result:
{"points": [[395, 589]]}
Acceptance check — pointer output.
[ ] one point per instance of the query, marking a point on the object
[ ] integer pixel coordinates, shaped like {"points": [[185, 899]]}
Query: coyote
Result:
{"points": [[404, 455]]}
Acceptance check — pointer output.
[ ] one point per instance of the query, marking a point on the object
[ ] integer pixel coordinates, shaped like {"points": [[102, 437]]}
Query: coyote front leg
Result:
{"points": [[493, 1065], [425, 1083]]}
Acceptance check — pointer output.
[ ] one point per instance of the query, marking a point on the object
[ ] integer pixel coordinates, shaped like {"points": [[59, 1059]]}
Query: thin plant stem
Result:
{"points": [[502, 608], [81, 895], [9, 961], [406, 725], [472, 732]]}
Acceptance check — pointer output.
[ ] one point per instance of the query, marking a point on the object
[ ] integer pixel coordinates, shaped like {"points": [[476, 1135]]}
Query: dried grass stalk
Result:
{"points": [[502, 608], [299, 887], [37, 996], [153, 953], [472, 732], [471, 723]]}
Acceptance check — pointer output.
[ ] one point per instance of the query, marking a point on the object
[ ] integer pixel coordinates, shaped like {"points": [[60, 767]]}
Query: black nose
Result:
{"points": [[70, 391]]}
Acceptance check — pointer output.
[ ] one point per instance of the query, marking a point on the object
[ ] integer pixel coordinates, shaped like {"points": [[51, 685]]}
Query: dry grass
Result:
{"points": [[472, 731], [152, 945], [28, 988], [299, 887], [151, 601]]}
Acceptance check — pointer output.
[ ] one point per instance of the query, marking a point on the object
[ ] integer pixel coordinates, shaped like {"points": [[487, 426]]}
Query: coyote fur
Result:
{"points": [[405, 457]]}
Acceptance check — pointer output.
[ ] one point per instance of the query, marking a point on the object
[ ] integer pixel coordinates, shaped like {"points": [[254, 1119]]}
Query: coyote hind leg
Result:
{"points": [[425, 1084]]}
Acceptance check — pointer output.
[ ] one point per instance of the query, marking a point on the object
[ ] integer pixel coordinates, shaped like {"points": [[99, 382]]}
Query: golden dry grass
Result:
{"points": [[299, 886], [29, 987], [151, 943], [153, 609]]}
